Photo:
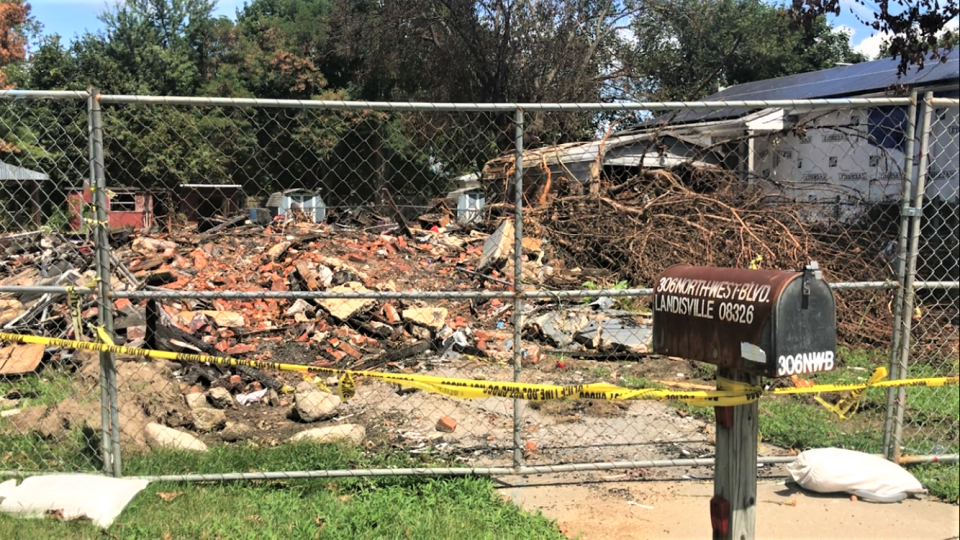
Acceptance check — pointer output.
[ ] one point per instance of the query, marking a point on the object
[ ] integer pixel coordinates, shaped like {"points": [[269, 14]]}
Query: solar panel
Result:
{"points": [[843, 81]]}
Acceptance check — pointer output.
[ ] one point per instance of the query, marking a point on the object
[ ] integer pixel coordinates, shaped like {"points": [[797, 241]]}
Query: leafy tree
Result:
{"points": [[918, 28], [14, 21], [690, 48]]}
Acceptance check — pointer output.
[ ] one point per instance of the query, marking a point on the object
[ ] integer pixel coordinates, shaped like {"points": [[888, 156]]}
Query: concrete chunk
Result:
{"points": [[341, 308], [163, 437], [430, 317], [221, 398], [313, 405], [208, 419], [349, 432]]}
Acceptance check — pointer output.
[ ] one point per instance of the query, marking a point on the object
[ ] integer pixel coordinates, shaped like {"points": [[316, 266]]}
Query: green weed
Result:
{"points": [[399, 507]]}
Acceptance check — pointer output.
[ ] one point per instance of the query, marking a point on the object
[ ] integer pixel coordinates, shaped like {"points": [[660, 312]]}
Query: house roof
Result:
{"points": [[13, 172], [844, 81], [860, 79]]}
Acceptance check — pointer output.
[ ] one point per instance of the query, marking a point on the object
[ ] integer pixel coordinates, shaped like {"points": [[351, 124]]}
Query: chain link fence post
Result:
{"points": [[916, 214], [518, 287], [108, 368], [901, 269]]}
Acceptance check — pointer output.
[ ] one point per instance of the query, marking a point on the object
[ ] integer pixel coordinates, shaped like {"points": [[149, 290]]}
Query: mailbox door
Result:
{"points": [[721, 316], [804, 328]]}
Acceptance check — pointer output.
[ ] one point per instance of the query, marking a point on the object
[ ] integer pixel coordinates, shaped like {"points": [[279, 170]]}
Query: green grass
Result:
{"points": [[789, 423], [77, 451], [601, 372], [49, 387], [400, 507], [943, 481]]}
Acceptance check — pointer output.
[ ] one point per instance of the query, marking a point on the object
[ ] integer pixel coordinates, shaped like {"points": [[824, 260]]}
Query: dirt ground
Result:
{"points": [[592, 508]]}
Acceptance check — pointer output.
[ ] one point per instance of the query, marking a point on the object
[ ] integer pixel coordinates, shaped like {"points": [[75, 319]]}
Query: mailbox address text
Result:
{"points": [[716, 300], [797, 364]]}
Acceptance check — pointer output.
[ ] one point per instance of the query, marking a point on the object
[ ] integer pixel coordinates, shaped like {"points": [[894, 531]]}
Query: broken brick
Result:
{"points": [[241, 348], [390, 313], [531, 354], [349, 349], [337, 355], [447, 425], [137, 332]]}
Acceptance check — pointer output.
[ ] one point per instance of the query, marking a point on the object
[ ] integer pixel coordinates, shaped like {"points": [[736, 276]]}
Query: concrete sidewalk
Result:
{"points": [[664, 509]]}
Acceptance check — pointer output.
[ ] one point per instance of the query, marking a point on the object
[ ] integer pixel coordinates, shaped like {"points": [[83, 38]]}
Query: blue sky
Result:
{"points": [[72, 17]]}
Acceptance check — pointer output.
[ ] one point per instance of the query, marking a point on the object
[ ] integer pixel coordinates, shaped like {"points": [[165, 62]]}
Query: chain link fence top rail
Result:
{"points": [[384, 236]]}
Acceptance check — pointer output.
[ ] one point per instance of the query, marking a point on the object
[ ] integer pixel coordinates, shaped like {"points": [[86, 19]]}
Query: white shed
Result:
{"points": [[291, 202]]}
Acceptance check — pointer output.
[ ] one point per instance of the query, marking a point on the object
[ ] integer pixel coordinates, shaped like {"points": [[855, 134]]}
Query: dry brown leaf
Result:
{"points": [[169, 496]]}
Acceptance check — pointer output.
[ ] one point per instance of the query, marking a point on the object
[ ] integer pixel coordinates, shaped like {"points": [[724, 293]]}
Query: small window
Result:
{"points": [[887, 126], [799, 163], [833, 161], [123, 202]]}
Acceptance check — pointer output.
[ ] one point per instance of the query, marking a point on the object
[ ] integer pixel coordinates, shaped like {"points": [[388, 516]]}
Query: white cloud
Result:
{"points": [[846, 30], [870, 45]]}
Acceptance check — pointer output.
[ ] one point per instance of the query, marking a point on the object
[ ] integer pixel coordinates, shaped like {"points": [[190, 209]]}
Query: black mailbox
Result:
{"points": [[765, 322]]}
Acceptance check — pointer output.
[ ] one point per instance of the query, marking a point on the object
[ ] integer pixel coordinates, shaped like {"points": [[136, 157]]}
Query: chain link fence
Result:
{"points": [[390, 236], [926, 422]]}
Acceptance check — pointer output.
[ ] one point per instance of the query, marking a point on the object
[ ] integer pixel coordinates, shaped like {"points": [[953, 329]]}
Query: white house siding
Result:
{"points": [[943, 180], [840, 161]]}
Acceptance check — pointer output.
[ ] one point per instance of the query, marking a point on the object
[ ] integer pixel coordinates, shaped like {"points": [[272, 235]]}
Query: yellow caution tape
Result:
{"points": [[347, 387], [850, 403], [731, 393], [318, 383], [75, 304]]}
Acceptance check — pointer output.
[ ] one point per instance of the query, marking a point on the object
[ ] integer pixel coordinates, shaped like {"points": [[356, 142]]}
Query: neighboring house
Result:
{"points": [[297, 202], [468, 198], [201, 203], [126, 208], [19, 190], [850, 157]]}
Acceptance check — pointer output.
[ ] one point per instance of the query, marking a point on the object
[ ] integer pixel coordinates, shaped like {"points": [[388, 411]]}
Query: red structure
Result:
{"points": [[127, 207]]}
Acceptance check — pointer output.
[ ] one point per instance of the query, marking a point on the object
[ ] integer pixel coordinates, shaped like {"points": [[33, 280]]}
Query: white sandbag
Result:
{"points": [[832, 470], [99, 498]]}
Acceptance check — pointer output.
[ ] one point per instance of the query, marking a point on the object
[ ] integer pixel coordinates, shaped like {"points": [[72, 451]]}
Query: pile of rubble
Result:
{"points": [[361, 334]]}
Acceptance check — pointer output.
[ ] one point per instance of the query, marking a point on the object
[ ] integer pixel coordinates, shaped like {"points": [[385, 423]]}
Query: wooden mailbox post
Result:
{"points": [[749, 323]]}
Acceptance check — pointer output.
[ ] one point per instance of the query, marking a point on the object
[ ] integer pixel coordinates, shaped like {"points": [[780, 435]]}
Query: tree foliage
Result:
{"points": [[688, 48], [424, 50], [14, 15], [917, 28]]}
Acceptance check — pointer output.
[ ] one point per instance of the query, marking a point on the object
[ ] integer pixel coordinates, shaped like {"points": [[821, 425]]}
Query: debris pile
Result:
{"points": [[637, 228], [356, 254]]}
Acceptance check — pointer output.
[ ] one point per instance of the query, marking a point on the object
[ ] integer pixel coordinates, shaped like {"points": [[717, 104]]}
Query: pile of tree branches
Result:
{"points": [[707, 217]]}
